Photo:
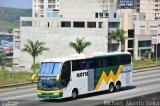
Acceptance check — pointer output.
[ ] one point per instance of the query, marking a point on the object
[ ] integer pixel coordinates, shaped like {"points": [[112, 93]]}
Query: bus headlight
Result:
{"points": [[55, 93], [39, 93]]}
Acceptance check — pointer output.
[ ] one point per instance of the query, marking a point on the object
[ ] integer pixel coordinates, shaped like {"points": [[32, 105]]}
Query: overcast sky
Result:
{"points": [[16, 3]]}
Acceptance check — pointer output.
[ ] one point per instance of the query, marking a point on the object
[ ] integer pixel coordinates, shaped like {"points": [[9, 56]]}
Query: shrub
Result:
{"points": [[35, 67]]}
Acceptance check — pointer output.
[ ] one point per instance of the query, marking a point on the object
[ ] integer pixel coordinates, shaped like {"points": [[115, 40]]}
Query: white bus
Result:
{"points": [[81, 74]]}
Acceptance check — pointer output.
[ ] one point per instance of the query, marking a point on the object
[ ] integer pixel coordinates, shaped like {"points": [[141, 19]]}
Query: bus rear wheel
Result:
{"points": [[74, 94], [111, 88]]}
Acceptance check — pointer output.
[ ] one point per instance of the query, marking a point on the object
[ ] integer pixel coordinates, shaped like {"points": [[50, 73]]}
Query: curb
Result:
{"points": [[16, 85], [142, 69], [150, 66]]}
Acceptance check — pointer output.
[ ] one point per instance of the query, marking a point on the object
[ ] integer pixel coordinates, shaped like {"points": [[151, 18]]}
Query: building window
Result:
{"points": [[115, 15], [96, 15], [156, 9], [106, 15], [100, 24], [26, 23], [101, 15], [130, 33], [65, 24], [79, 24], [134, 17], [91, 24], [113, 24], [41, 7], [17, 37], [131, 51], [130, 43], [153, 32], [142, 30], [48, 24], [144, 43]]}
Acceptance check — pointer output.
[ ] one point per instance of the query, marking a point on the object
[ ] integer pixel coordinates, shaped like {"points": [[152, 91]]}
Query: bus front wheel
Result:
{"points": [[111, 87], [74, 94]]}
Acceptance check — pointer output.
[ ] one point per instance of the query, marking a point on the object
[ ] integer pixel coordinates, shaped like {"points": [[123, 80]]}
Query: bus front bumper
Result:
{"points": [[50, 94]]}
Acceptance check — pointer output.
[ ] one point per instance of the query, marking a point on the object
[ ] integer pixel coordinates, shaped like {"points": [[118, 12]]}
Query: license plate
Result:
{"points": [[47, 97]]}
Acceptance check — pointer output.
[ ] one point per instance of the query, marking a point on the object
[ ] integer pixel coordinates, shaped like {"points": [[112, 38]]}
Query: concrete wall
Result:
{"points": [[57, 40]]}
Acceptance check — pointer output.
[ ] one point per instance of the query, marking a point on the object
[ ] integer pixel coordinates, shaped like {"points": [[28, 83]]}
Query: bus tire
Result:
{"points": [[118, 86], [111, 87], [74, 94]]}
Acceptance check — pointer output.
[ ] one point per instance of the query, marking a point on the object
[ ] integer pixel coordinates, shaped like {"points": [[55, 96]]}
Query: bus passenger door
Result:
{"points": [[65, 75]]}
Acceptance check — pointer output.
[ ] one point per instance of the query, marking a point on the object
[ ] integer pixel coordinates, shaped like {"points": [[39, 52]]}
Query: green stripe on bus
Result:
{"points": [[108, 55], [107, 70]]}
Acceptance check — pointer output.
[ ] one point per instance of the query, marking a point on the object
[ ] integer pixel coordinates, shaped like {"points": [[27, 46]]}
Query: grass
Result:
{"points": [[144, 63], [7, 77]]}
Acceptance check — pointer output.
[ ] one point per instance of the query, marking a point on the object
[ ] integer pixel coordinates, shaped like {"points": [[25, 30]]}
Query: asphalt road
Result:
{"points": [[144, 83]]}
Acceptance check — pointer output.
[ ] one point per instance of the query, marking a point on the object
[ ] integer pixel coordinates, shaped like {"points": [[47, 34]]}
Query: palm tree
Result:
{"points": [[117, 35], [34, 48], [79, 45]]}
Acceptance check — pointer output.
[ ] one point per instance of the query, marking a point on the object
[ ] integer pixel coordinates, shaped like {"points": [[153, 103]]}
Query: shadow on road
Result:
{"points": [[88, 95]]}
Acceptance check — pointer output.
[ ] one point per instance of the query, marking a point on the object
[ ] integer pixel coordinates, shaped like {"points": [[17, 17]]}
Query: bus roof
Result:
{"points": [[84, 56]]}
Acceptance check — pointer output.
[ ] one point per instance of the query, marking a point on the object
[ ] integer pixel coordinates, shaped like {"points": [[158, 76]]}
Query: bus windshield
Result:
{"points": [[50, 68], [47, 83]]}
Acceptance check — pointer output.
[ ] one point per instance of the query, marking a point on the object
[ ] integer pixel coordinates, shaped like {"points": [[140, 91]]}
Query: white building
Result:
{"points": [[85, 18], [43, 8], [151, 8]]}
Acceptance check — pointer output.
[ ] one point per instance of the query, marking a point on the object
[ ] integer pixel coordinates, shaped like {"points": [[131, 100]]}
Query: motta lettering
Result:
{"points": [[82, 74]]}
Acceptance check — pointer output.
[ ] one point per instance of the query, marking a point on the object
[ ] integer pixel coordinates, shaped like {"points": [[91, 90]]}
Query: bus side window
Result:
{"points": [[65, 74], [90, 64], [101, 62], [83, 65], [104, 62], [97, 63], [127, 59], [123, 59], [112, 60]]}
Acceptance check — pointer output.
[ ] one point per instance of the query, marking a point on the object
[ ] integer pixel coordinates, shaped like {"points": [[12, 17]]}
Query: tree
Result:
{"points": [[34, 48], [146, 55], [79, 45], [117, 35]]}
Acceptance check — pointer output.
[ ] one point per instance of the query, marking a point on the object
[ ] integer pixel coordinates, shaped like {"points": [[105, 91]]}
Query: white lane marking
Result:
{"points": [[19, 97], [141, 77], [146, 81], [146, 72]]}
